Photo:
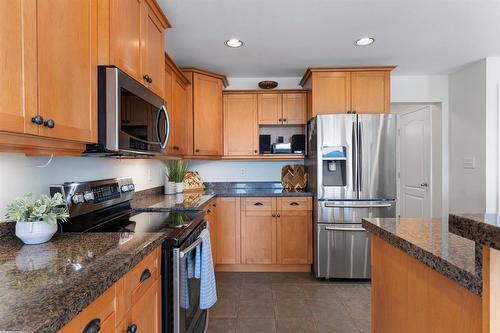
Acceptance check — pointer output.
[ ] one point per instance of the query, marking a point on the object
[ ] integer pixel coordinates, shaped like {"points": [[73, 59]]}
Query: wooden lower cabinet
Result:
{"points": [[408, 296], [133, 301], [264, 234], [258, 237], [227, 231], [211, 216]]}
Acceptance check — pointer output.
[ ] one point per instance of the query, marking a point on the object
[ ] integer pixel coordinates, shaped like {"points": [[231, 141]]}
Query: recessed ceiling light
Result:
{"points": [[233, 42], [364, 41]]}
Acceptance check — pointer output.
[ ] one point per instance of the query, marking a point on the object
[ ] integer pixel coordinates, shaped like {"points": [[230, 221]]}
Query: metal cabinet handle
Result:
{"points": [[358, 206], [214, 205], [37, 120], [278, 215], [344, 229], [175, 148], [208, 211], [424, 184], [258, 204], [294, 203], [93, 326], [280, 120], [132, 328], [284, 120], [197, 150], [49, 123], [147, 78], [273, 215], [145, 275]]}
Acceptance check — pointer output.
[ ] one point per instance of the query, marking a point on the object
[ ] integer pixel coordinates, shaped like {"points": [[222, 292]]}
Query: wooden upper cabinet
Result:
{"points": [[345, 90], [132, 39], [270, 109], [67, 62], [370, 92], [179, 124], [331, 93], [240, 125], [18, 83], [294, 108], [205, 99], [258, 237], [227, 231], [153, 50], [125, 18]]}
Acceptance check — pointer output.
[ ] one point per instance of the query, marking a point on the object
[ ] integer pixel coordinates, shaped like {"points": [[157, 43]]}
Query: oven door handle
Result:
{"points": [[190, 248], [166, 131]]}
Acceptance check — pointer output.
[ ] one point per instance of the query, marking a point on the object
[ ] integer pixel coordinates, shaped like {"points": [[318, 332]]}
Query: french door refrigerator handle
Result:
{"points": [[354, 157], [360, 156], [383, 205], [344, 229]]}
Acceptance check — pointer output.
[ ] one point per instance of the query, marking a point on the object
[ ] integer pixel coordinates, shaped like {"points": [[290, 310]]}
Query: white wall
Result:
{"points": [[240, 171], [20, 174], [467, 138]]}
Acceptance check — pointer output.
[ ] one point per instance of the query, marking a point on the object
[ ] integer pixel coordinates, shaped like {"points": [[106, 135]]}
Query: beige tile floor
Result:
{"points": [[289, 302]]}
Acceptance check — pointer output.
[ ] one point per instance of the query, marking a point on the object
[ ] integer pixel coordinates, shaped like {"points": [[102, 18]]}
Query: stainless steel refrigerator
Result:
{"points": [[351, 164]]}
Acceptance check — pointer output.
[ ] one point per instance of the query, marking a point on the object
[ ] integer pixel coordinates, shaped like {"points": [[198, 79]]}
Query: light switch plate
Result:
{"points": [[469, 162]]}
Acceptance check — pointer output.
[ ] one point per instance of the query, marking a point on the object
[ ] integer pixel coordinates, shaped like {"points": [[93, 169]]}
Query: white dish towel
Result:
{"points": [[204, 270]]}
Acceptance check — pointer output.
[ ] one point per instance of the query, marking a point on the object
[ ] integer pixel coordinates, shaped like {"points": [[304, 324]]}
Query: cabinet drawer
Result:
{"points": [[296, 203], [143, 275], [259, 203], [101, 311]]}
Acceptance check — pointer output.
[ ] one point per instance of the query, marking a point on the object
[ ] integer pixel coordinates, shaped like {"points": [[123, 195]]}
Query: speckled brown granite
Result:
{"points": [[7, 229], [430, 242], [251, 189], [481, 228], [194, 200], [42, 287]]}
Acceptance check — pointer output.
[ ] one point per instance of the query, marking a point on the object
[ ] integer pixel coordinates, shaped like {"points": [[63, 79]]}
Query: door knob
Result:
{"points": [[37, 120], [424, 185], [49, 123]]}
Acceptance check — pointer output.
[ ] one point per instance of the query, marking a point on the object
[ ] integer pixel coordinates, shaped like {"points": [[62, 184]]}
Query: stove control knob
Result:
{"points": [[88, 196], [78, 198], [125, 188]]}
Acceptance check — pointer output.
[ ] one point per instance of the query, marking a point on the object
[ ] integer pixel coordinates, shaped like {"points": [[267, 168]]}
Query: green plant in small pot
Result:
{"points": [[36, 219], [176, 170]]}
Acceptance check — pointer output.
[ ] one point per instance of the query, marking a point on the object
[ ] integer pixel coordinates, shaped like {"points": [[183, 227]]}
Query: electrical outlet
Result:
{"points": [[243, 172]]}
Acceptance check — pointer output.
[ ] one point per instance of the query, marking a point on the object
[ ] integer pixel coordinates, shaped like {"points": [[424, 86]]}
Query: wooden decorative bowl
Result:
{"points": [[268, 84]]}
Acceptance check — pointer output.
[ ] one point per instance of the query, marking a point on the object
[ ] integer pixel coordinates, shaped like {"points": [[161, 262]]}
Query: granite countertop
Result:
{"points": [[429, 241], [158, 201], [252, 189], [42, 287], [481, 228]]}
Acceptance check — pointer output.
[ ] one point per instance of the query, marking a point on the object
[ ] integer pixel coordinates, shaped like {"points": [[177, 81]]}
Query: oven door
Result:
{"points": [[136, 120], [188, 317]]}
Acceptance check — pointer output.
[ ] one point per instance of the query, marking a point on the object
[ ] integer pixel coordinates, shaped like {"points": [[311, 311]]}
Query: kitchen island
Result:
{"points": [[424, 277]]}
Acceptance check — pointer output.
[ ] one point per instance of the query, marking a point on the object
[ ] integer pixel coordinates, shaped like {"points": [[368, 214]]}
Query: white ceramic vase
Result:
{"points": [[35, 232], [179, 187], [170, 187]]}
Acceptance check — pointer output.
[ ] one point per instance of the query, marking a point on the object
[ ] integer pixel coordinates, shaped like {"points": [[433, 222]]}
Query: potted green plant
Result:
{"points": [[36, 219], [176, 170]]}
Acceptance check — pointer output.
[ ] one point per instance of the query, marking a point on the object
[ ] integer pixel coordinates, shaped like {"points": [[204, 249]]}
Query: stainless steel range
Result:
{"points": [[351, 163], [104, 206]]}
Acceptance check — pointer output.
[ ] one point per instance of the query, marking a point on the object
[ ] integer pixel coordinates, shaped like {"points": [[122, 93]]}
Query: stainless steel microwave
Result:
{"points": [[133, 121]]}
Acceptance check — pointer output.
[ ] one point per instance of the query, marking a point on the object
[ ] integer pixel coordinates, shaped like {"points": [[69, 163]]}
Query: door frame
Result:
{"points": [[400, 110]]}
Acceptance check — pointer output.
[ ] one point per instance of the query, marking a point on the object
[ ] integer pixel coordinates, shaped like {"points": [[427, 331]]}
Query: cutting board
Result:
{"points": [[294, 177]]}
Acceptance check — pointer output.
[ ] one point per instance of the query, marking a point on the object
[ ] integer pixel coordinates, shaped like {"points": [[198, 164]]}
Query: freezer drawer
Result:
{"points": [[342, 251], [353, 211]]}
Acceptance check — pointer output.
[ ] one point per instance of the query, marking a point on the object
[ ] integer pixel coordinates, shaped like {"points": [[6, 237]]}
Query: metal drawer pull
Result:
{"points": [[294, 203], [145, 275], [132, 328], [190, 248], [93, 326], [258, 204], [344, 229], [359, 206]]}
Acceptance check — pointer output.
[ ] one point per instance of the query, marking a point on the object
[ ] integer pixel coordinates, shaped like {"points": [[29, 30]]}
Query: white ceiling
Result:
{"points": [[283, 37]]}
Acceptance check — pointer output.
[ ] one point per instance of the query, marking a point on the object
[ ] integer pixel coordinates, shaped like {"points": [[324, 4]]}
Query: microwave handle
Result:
{"points": [[167, 126]]}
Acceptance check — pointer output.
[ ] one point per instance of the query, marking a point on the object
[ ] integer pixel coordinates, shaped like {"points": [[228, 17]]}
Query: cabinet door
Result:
{"points": [[125, 36], [67, 75], [258, 237], [227, 231], [168, 97], [179, 130], [370, 92], [270, 109], [146, 311], [18, 64], [240, 125], [207, 114], [152, 51], [294, 237], [331, 92], [211, 217], [294, 108]]}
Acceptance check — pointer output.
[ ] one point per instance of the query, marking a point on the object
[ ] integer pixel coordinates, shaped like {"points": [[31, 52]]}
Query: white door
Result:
{"points": [[415, 163]]}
